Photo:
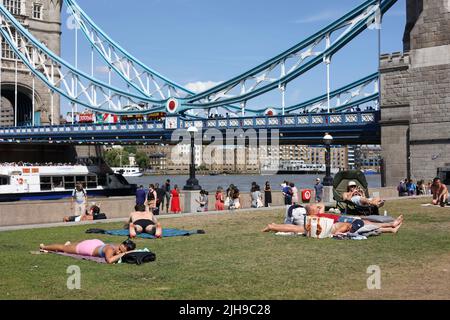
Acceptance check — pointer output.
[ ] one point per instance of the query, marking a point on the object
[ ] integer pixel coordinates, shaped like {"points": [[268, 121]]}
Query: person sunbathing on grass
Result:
{"points": [[143, 221], [356, 195], [439, 192], [93, 248], [338, 227], [88, 216]]}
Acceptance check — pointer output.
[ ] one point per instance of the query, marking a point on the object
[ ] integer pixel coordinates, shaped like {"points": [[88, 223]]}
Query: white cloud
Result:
{"points": [[323, 16], [200, 86], [296, 96], [102, 69]]}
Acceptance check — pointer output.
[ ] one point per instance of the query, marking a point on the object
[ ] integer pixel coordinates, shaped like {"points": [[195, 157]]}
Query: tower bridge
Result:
{"points": [[408, 96]]}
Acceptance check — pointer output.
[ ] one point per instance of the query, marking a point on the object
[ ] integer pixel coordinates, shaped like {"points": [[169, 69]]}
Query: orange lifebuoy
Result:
{"points": [[20, 181]]}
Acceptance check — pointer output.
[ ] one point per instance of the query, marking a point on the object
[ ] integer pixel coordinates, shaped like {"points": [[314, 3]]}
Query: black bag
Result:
{"points": [[138, 257], [100, 216], [101, 231]]}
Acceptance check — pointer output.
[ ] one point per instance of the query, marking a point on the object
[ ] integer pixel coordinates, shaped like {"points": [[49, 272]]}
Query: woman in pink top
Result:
{"points": [[93, 248]]}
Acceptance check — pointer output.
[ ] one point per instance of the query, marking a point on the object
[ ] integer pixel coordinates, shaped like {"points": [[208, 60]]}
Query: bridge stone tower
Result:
{"points": [[415, 96], [43, 20]]}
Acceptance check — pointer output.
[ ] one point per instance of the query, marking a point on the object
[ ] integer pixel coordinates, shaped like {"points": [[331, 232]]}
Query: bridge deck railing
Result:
{"points": [[288, 121], [354, 118]]}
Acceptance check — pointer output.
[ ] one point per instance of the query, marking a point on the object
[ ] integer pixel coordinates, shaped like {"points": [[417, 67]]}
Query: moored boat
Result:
{"points": [[50, 182]]}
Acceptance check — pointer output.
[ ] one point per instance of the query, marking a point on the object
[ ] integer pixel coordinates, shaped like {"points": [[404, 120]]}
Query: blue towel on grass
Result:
{"points": [[165, 233]]}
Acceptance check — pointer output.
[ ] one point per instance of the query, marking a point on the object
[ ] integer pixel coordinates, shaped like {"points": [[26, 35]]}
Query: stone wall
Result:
{"points": [[41, 212], [415, 99], [48, 31], [433, 25]]}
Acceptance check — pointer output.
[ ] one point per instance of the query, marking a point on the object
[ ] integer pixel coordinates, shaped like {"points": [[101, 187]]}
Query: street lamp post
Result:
{"points": [[192, 182], [327, 140]]}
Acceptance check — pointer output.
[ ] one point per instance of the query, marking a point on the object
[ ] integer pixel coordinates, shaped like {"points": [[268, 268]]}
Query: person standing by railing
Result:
{"points": [[267, 195], [220, 201], [79, 198], [175, 200], [318, 187], [140, 195], [167, 188]]}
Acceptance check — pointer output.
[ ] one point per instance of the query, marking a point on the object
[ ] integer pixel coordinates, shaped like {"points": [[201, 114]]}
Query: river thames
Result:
{"points": [[243, 182]]}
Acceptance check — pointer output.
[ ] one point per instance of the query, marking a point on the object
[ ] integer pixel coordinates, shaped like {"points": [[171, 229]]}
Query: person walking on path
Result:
{"points": [[294, 193], [167, 189], [220, 201], [151, 198], [318, 187], [175, 200], [267, 195], [79, 198], [140, 195], [160, 196]]}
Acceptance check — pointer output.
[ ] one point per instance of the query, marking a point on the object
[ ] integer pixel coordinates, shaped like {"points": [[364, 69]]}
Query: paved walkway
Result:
{"points": [[166, 216]]}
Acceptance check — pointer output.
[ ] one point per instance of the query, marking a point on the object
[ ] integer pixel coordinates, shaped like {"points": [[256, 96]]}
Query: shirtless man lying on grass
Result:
{"points": [[338, 227], [143, 221]]}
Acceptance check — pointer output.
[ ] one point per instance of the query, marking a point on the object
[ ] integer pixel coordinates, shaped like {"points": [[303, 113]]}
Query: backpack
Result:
{"points": [[75, 191], [138, 257], [403, 188], [100, 216], [95, 230], [295, 215]]}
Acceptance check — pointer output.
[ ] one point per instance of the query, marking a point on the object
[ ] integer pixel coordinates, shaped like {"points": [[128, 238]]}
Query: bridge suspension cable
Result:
{"points": [[135, 72], [82, 89], [68, 81], [287, 66], [142, 78]]}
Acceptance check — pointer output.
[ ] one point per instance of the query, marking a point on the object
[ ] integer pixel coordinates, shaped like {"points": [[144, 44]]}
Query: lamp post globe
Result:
{"points": [[328, 140], [192, 183]]}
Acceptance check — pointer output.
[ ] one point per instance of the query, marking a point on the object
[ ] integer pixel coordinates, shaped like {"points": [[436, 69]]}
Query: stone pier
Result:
{"points": [[415, 96]]}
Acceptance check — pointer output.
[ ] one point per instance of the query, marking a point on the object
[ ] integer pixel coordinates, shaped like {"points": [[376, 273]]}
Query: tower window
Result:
{"points": [[37, 11], [13, 6]]}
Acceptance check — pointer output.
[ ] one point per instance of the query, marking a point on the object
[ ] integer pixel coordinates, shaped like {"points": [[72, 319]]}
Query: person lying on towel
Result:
{"points": [[93, 248], [143, 221], [87, 216], [356, 195], [351, 225]]}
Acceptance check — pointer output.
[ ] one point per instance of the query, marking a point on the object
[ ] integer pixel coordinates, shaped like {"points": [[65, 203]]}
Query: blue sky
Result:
{"points": [[193, 42]]}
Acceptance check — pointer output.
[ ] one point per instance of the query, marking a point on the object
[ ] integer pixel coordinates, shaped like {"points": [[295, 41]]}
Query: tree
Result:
{"points": [[117, 158], [130, 149], [142, 160]]}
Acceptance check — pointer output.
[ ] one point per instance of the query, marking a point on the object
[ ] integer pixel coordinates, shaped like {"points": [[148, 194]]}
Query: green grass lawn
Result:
{"points": [[234, 260]]}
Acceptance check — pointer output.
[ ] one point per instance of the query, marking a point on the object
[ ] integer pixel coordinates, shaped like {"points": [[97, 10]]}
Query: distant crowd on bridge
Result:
{"points": [[37, 164], [79, 162], [355, 109]]}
